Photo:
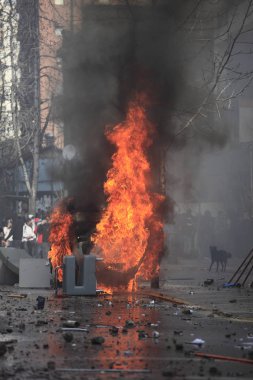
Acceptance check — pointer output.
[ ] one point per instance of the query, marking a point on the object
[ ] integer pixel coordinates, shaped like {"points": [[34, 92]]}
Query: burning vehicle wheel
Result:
{"points": [[110, 275]]}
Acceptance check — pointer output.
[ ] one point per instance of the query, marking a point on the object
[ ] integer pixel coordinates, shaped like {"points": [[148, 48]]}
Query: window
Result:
{"points": [[59, 2]]}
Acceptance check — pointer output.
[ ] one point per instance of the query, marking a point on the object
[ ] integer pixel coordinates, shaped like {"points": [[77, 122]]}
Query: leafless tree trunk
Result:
{"points": [[27, 133]]}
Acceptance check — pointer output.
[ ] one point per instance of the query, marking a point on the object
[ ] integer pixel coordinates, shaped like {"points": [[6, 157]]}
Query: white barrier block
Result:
{"points": [[34, 273]]}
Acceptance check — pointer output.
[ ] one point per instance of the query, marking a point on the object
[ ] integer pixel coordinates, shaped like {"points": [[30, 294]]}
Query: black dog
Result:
{"points": [[220, 257]]}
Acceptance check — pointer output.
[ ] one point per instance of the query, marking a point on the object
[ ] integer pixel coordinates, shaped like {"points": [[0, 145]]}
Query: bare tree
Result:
{"points": [[216, 31], [21, 105]]}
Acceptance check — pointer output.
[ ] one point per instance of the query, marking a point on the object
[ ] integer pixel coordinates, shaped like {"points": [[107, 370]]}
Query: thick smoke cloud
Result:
{"points": [[118, 51]]}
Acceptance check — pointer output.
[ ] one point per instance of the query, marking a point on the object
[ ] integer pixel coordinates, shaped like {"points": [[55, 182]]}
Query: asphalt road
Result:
{"points": [[130, 336]]}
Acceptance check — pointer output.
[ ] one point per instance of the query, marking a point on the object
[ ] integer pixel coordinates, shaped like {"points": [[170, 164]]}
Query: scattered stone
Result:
{"points": [[114, 330], [70, 323], [155, 334], [128, 353], [98, 340], [178, 332], [179, 347], [142, 334], [68, 337], [40, 302], [187, 311], [129, 324]]}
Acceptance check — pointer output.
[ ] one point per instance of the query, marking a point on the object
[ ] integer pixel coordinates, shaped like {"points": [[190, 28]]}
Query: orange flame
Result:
{"points": [[130, 232], [61, 236]]}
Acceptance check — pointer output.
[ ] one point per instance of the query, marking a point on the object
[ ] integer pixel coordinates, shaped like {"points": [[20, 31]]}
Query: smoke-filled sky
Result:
{"points": [[166, 51]]}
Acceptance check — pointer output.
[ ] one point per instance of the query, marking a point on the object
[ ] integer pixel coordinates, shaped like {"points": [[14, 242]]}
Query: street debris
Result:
{"points": [[40, 302], [113, 335], [208, 281], [244, 345], [114, 330], [41, 322], [97, 340], [179, 347], [70, 323], [154, 324], [128, 353], [103, 370], [231, 285], [198, 342], [68, 337], [142, 334], [129, 324], [187, 311], [155, 334], [74, 329], [223, 357], [178, 332], [17, 295]]}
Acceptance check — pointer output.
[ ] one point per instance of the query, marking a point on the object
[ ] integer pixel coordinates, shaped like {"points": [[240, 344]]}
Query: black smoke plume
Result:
{"points": [[119, 51]]}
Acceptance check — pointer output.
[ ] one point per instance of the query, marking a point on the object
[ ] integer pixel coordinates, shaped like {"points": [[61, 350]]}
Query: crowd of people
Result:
{"points": [[28, 232], [189, 235]]}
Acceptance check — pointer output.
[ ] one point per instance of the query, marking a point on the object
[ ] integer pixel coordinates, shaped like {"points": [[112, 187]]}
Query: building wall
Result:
{"points": [[55, 17]]}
